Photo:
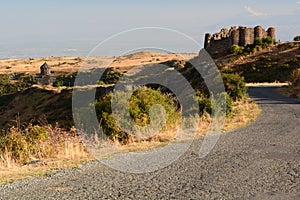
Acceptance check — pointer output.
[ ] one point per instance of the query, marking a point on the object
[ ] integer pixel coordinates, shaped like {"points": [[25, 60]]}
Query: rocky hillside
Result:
{"points": [[273, 64]]}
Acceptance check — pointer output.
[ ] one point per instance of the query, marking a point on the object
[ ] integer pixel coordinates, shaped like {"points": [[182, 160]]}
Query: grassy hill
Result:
{"points": [[36, 104], [273, 64]]}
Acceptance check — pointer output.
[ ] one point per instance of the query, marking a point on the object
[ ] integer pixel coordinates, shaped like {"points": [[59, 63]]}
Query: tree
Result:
{"points": [[297, 38]]}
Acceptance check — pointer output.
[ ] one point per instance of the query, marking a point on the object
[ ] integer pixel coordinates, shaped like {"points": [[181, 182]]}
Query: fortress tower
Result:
{"points": [[235, 36], [271, 33], [259, 32]]}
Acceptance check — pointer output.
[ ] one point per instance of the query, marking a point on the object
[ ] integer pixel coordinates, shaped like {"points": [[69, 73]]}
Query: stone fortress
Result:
{"points": [[219, 43]]}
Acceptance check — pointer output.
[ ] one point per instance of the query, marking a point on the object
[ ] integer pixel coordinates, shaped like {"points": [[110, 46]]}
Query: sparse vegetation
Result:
{"points": [[15, 83], [110, 76], [273, 64], [64, 80]]}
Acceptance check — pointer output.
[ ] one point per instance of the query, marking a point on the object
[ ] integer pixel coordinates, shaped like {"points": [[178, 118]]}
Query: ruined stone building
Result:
{"points": [[45, 77], [220, 43]]}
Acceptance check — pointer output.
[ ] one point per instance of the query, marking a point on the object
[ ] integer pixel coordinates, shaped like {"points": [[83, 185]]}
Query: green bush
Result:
{"points": [[234, 85], [140, 103], [258, 41], [297, 38], [291, 45], [206, 104], [58, 83], [286, 66], [229, 108], [268, 40], [236, 49]]}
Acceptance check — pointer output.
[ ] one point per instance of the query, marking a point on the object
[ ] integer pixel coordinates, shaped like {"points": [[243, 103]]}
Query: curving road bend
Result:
{"points": [[260, 161]]}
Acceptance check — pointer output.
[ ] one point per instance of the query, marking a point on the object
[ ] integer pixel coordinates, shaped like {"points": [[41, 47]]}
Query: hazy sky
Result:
{"points": [[74, 27]]}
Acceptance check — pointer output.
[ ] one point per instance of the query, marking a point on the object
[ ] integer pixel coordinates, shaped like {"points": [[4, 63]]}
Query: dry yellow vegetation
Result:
{"points": [[69, 65]]}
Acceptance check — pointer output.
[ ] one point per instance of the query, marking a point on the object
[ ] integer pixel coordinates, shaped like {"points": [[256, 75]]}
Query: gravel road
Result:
{"points": [[260, 161]]}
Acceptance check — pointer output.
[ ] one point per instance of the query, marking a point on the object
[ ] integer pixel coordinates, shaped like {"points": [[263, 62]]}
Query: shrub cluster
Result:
{"points": [[235, 89], [206, 104], [23, 144], [64, 80], [15, 83], [259, 44], [140, 104], [144, 98], [234, 85], [109, 77], [38, 142], [297, 38], [236, 49]]}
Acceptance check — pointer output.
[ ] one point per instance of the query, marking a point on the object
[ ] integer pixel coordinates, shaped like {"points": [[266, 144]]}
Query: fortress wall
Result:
{"points": [[220, 43], [207, 40], [219, 47]]}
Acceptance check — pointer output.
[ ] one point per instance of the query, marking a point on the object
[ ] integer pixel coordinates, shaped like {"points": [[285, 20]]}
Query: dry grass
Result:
{"points": [[69, 65], [60, 65], [162, 138], [60, 149], [244, 112]]}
